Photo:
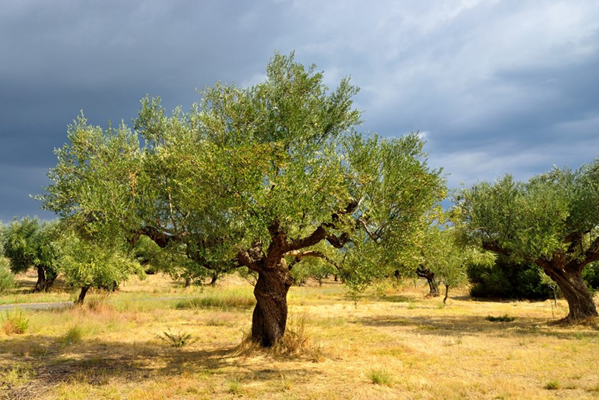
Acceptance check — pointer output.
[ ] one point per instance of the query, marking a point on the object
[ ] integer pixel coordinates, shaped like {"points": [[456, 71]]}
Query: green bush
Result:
{"points": [[7, 280], [591, 275], [508, 281]]}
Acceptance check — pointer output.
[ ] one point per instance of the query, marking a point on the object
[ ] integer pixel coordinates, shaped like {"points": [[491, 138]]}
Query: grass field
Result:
{"points": [[156, 340]]}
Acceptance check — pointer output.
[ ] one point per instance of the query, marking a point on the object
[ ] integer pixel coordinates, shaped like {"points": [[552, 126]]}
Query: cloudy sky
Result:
{"points": [[495, 86]]}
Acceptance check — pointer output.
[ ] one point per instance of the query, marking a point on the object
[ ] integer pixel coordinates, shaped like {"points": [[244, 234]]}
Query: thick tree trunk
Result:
{"points": [[580, 301], [82, 294], [430, 279], [270, 314]]}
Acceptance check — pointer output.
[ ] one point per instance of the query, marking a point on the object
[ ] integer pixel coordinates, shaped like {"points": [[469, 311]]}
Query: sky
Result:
{"points": [[494, 86]]}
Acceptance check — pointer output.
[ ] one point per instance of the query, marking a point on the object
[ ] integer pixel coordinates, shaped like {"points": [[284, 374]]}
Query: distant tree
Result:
{"points": [[29, 243], [252, 177], [551, 221], [445, 259], [94, 264]]}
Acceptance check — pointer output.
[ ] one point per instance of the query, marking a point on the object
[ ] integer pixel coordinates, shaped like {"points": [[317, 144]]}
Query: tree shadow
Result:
{"points": [[479, 325], [47, 361]]}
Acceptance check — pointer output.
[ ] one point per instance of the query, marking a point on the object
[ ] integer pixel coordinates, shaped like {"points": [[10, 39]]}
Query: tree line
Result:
{"points": [[276, 176]]}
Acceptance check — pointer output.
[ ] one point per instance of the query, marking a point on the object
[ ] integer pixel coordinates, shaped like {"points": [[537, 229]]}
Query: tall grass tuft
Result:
{"points": [[178, 340], [294, 343], [224, 300], [380, 377], [73, 336], [15, 323]]}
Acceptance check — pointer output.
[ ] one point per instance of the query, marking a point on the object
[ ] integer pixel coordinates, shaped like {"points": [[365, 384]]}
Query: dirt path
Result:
{"points": [[35, 306]]}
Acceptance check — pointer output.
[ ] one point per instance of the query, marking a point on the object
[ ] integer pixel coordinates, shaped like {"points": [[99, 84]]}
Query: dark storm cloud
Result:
{"points": [[493, 85]]}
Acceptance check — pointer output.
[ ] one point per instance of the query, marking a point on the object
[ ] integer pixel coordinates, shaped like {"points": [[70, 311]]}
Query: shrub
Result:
{"points": [[177, 340], [508, 281], [7, 280], [15, 323]]}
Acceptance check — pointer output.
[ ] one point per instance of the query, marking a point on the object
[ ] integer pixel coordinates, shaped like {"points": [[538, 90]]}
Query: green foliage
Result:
{"points": [[508, 280], [7, 280], [591, 275], [97, 264], [15, 322]]}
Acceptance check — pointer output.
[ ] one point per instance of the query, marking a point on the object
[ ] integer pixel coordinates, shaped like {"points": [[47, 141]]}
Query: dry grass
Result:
{"points": [[401, 345]]}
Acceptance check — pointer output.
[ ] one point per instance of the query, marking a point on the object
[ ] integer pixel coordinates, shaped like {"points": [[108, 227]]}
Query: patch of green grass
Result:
{"points": [[235, 387], [16, 375], [220, 300], [73, 336], [380, 377], [503, 318], [552, 385]]}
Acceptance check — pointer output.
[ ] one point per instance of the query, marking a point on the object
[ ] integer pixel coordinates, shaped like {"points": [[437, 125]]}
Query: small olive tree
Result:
{"points": [[29, 243], [97, 264]]}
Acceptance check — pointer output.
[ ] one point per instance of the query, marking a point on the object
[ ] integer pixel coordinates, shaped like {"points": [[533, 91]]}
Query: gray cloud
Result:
{"points": [[497, 85]]}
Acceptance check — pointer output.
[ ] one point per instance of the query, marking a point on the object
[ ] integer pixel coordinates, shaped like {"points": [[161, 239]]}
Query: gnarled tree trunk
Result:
{"points": [[569, 280], [40, 285], [270, 314], [429, 275]]}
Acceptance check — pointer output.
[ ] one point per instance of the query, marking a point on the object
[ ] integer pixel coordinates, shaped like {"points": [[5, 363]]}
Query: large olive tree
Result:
{"points": [[550, 220], [253, 177]]}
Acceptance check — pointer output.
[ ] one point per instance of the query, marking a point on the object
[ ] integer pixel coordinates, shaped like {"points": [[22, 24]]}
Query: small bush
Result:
{"points": [[15, 323], [380, 377], [177, 340], [503, 318]]}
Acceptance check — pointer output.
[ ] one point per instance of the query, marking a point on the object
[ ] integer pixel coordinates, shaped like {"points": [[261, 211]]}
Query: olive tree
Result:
{"points": [[249, 177], [96, 264], [551, 220], [29, 243]]}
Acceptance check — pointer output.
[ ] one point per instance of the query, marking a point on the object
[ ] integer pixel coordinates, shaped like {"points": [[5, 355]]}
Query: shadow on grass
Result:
{"points": [[45, 362], [479, 325]]}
